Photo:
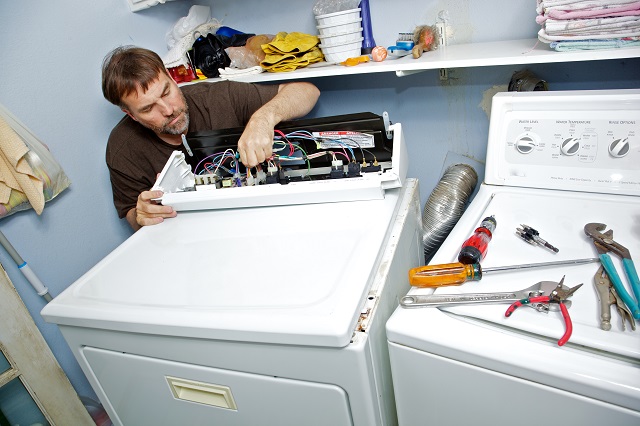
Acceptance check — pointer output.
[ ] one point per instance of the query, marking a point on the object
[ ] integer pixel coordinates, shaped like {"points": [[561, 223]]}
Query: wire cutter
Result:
{"points": [[559, 295], [604, 244]]}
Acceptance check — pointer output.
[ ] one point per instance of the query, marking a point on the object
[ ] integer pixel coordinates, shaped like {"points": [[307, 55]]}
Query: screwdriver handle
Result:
{"points": [[444, 274]]}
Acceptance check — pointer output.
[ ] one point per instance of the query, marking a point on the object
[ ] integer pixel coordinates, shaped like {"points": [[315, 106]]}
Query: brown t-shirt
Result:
{"points": [[135, 154]]}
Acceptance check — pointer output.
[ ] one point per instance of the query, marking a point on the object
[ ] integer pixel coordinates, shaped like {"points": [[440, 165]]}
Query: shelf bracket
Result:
{"points": [[401, 73]]}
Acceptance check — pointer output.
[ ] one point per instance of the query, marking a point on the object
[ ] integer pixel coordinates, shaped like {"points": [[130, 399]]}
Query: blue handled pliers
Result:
{"points": [[604, 244]]}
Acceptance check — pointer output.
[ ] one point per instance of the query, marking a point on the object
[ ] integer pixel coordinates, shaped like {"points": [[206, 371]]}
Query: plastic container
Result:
{"points": [[341, 52], [348, 37], [343, 17], [339, 28]]}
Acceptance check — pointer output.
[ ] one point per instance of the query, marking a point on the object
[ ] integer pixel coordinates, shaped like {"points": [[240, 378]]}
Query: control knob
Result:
{"points": [[570, 146], [619, 147], [525, 144]]}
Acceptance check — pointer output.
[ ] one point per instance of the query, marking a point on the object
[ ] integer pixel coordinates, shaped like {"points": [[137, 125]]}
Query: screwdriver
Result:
{"points": [[458, 273]]}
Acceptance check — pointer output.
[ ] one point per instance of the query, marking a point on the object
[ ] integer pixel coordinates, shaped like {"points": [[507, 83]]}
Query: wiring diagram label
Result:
{"points": [[340, 139]]}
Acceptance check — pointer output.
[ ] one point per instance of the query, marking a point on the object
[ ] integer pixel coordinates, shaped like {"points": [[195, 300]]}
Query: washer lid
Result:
{"points": [[559, 217], [291, 275]]}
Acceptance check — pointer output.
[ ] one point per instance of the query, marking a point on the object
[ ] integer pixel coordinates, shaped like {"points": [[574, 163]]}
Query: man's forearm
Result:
{"points": [[293, 100]]}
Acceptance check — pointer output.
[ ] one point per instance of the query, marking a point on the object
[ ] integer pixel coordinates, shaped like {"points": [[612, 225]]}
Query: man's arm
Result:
{"points": [[292, 101]]}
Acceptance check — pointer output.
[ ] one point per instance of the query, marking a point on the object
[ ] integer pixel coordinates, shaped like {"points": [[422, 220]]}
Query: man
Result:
{"points": [[158, 113]]}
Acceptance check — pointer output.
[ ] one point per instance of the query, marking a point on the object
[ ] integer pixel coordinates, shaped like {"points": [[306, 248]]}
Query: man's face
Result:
{"points": [[162, 108]]}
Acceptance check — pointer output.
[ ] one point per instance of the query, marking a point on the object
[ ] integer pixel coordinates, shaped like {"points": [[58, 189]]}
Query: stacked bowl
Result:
{"points": [[340, 34]]}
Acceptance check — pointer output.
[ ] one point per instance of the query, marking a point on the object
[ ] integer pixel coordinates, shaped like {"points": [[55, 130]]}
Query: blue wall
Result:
{"points": [[50, 79]]}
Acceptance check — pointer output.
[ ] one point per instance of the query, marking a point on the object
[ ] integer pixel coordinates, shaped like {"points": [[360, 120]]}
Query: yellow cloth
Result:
{"points": [[289, 51], [15, 172]]}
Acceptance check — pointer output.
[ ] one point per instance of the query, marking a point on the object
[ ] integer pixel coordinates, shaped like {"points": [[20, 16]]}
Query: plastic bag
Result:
{"points": [[42, 163], [197, 16], [249, 55], [208, 52], [323, 7]]}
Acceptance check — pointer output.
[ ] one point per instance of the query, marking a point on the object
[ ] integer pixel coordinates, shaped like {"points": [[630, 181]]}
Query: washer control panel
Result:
{"points": [[571, 140], [587, 140]]}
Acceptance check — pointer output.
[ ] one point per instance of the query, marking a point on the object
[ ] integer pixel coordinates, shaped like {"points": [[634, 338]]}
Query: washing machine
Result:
{"points": [[556, 161]]}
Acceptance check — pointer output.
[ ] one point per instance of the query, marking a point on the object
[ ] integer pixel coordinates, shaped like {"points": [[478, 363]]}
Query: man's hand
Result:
{"points": [[292, 101], [256, 142], [148, 212]]}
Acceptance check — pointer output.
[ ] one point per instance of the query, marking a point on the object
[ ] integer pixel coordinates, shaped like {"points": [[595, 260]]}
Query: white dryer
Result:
{"points": [[268, 315], [553, 163]]}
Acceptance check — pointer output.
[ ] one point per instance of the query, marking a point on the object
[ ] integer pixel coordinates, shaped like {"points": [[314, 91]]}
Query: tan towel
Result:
{"points": [[15, 172]]}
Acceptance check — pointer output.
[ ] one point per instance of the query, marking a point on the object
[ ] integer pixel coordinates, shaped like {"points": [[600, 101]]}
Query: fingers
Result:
{"points": [[252, 156], [148, 212], [256, 143]]}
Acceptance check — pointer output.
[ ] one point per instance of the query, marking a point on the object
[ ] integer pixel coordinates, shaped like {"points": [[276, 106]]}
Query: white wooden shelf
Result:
{"points": [[511, 52]]}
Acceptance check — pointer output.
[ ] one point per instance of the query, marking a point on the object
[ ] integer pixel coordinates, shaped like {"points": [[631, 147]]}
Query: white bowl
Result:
{"points": [[332, 40], [339, 28], [341, 52], [338, 17]]}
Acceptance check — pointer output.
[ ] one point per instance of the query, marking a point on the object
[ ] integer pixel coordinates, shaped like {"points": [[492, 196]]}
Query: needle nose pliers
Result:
{"points": [[559, 295]]}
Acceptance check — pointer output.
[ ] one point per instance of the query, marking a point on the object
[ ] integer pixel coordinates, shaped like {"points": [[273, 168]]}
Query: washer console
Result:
{"points": [[582, 140]]}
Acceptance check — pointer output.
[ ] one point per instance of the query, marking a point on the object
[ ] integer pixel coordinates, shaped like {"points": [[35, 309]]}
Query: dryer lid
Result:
{"points": [[288, 275]]}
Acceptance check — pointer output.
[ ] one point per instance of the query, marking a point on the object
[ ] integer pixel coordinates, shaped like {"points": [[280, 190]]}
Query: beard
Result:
{"points": [[180, 126]]}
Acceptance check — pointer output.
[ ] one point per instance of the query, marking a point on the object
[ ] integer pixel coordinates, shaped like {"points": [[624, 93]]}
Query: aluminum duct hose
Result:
{"points": [[445, 205]]}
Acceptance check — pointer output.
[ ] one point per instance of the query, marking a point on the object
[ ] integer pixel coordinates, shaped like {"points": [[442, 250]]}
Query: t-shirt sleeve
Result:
{"points": [[225, 104], [133, 161]]}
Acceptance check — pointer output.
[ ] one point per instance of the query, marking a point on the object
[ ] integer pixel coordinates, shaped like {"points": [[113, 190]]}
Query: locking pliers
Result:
{"points": [[604, 244]]}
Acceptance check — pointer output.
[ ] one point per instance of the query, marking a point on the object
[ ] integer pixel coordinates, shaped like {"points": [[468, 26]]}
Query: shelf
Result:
{"points": [[136, 5], [511, 52]]}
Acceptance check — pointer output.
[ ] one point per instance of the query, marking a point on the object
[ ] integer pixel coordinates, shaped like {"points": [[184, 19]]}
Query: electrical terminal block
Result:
{"points": [[282, 178], [261, 177], [237, 180], [353, 169], [209, 179], [373, 167], [227, 183], [272, 175], [251, 181], [337, 170]]}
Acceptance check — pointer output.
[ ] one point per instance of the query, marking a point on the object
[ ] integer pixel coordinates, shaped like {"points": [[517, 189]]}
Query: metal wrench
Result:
{"points": [[436, 300]]}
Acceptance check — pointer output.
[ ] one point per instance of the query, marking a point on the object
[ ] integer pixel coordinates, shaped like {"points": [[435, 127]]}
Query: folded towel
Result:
{"points": [[235, 73], [566, 46], [587, 10], [553, 26], [15, 173]]}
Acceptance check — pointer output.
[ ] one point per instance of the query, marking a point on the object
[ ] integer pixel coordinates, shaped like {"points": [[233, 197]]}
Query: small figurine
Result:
{"points": [[424, 37]]}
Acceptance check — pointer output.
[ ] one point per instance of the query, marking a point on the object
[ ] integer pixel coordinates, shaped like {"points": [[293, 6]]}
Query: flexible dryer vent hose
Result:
{"points": [[445, 205]]}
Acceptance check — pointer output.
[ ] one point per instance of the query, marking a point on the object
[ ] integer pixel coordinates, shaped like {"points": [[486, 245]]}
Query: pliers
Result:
{"points": [[604, 243], [559, 295], [609, 296]]}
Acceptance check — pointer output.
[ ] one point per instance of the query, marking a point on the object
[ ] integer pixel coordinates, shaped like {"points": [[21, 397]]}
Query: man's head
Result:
{"points": [[136, 80]]}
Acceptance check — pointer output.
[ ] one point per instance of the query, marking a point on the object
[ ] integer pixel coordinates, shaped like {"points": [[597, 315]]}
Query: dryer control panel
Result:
{"points": [[582, 140]]}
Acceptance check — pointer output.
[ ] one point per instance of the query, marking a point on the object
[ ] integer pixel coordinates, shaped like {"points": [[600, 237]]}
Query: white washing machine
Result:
{"points": [[268, 315], [555, 162]]}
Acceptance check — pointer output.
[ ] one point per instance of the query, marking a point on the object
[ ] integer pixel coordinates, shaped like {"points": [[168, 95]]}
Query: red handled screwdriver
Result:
{"points": [[475, 248]]}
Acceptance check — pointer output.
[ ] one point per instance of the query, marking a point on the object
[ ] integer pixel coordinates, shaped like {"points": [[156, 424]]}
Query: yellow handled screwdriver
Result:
{"points": [[458, 273]]}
